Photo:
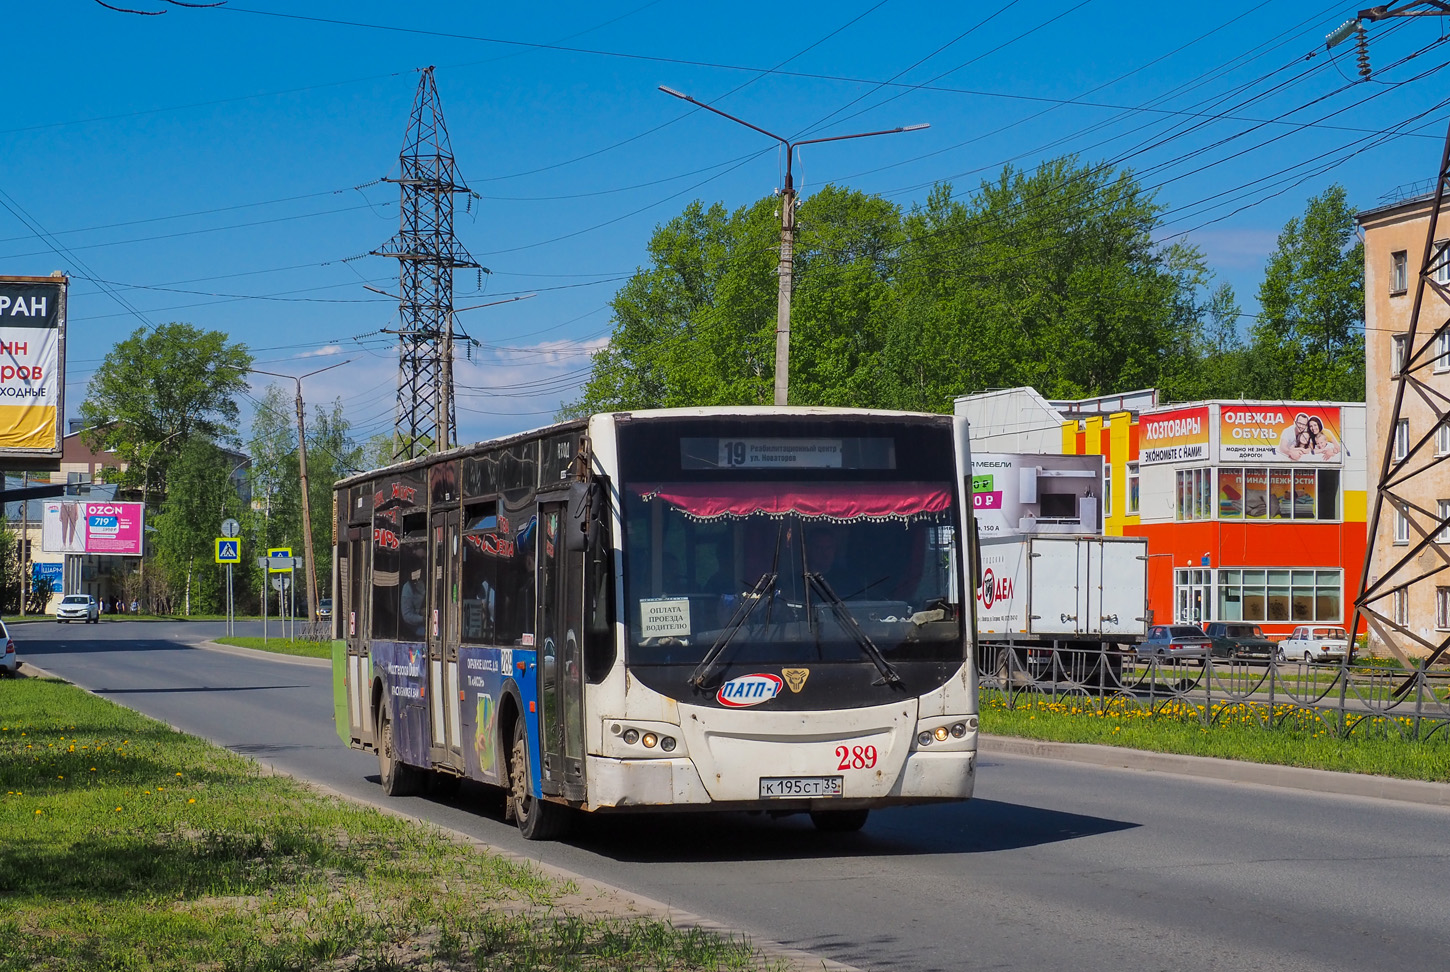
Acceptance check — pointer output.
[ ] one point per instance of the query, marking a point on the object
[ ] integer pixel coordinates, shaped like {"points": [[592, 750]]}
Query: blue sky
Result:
{"points": [[221, 166]]}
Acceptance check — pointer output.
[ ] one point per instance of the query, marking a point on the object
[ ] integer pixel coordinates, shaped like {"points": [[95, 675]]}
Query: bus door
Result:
{"points": [[561, 672], [442, 638], [354, 567]]}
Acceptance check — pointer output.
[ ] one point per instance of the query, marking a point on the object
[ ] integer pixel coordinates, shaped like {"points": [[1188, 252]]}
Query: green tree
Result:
{"points": [[1048, 277], [186, 526], [157, 390], [276, 474], [1309, 340]]}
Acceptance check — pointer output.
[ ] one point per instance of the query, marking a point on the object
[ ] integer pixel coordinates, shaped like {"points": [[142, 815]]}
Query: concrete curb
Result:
{"points": [[623, 903], [1227, 770]]}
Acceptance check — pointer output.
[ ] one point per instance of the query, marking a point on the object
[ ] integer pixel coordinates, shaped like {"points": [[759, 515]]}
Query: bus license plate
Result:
{"points": [[800, 786]]}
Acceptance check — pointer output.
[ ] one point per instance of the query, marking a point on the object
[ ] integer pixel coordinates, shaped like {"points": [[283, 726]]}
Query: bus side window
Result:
{"points": [[385, 577], [479, 594], [599, 643]]}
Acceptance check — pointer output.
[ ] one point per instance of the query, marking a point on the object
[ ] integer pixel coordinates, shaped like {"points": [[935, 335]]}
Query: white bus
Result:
{"points": [[715, 608]]}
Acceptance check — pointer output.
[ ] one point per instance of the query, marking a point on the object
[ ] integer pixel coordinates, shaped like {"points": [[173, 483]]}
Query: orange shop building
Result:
{"points": [[1254, 511]]}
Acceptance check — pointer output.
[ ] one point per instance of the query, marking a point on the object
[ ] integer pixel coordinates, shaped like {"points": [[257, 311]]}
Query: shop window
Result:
{"points": [[1280, 595], [1195, 494], [1133, 488], [1278, 493], [1399, 272]]}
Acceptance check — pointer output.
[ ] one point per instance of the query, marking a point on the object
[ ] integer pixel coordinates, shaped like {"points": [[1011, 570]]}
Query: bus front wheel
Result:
{"points": [[397, 777], [537, 819], [839, 821]]}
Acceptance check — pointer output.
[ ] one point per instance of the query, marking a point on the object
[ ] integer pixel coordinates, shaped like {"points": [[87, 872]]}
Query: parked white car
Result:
{"points": [[9, 661], [1314, 643], [78, 607]]}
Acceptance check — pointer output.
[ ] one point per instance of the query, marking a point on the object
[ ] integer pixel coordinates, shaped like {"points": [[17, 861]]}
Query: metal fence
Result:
{"points": [[1340, 697]]}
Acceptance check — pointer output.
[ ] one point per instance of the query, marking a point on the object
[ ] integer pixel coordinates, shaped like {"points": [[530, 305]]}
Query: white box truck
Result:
{"points": [[1056, 598]]}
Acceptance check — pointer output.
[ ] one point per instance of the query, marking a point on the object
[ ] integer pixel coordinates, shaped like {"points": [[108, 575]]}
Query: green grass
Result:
{"points": [[283, 646], [1283, 736], [130, 846]]}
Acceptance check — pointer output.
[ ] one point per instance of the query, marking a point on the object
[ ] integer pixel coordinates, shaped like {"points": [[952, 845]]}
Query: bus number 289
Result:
{"points": [[855, 757]]}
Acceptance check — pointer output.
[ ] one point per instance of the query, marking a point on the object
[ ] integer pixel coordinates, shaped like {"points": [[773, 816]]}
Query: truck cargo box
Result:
{"points": [[1056, 588]]}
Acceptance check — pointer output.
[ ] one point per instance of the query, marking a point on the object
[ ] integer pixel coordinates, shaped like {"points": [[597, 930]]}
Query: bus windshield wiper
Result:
{"points": [[847, 620], [764, 589]]}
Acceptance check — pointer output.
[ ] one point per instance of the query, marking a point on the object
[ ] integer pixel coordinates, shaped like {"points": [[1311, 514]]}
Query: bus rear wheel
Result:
{"points": [[537, 819], [397, 777], [839, 821]]}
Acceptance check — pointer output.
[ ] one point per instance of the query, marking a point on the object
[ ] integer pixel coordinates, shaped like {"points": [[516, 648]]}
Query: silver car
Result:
{"points": [[78, 607]]}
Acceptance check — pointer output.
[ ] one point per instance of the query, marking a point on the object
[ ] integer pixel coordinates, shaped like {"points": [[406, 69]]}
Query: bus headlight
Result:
{"points": [[940, 734], [959, 729], [923, 739], [649, 739], [631, 736], [667, 743]]}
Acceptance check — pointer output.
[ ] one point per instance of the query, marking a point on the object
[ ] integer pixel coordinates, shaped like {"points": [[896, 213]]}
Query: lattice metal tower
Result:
{"points": [[1407, 464], [427, 255]]}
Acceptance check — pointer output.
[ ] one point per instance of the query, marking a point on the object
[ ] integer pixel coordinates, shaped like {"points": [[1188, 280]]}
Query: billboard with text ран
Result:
{"points": [[32, 354]]}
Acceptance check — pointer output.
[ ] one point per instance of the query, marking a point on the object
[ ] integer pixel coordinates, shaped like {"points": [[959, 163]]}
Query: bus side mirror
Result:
{"points": [[586, 513]]}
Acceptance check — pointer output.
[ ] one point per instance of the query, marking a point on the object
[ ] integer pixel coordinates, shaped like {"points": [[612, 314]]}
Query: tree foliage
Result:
{"points": [[1049, 278], [1309, 340], [276, 474], [159, 389]]}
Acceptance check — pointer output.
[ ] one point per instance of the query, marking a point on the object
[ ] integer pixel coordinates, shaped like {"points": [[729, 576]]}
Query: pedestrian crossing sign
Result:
{"points": [[228, 550]]}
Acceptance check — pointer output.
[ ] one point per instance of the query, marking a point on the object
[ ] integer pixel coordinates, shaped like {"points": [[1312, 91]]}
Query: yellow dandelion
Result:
{"points": [[192, 800]]}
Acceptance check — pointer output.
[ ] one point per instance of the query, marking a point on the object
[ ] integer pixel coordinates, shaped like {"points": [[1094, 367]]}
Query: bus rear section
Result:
{"points": [[714, 609]]}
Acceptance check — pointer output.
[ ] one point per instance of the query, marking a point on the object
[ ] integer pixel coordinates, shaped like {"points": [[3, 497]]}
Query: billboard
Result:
{"points": [[1180, 435], [1026, 493], [92, 527], [1276, 432], [32, 364]]}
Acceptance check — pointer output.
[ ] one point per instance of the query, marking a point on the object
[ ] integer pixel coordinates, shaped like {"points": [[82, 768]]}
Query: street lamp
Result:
{"points": [[302, 468], [787, 231]]}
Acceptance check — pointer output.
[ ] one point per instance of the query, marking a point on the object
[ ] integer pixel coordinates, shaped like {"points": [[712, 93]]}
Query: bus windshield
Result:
{"points": [[791, 571]]}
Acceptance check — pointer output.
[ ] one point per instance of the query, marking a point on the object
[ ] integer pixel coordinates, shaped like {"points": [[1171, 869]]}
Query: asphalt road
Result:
{"points": [[1056, 865]]}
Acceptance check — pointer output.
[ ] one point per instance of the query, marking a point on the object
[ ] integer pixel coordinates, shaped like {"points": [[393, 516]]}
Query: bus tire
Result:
{"points": [[839, 821], [537, 819], [397, 777]]}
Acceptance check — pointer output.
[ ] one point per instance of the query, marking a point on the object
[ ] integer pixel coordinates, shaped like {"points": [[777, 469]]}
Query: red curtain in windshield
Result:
{"points": [[824, 501]]}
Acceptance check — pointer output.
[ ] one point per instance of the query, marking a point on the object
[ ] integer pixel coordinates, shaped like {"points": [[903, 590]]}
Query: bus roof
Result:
{"points": [[707, 411]]}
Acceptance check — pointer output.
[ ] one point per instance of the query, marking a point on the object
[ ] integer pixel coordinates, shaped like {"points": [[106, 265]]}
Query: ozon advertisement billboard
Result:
{"points": [[92, 527]]}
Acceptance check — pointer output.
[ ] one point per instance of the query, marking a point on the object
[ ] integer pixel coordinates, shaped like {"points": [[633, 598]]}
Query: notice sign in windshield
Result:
{"points": [[664, 617]]}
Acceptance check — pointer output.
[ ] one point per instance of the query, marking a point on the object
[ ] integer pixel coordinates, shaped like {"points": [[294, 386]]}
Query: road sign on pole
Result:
{"points": [[228, 550], [279, 559], [231, 528]]}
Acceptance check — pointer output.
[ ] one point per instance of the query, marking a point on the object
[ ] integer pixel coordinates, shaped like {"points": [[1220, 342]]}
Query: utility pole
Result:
{"points": [[786, 269], [302, 472], [427, 254]]}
